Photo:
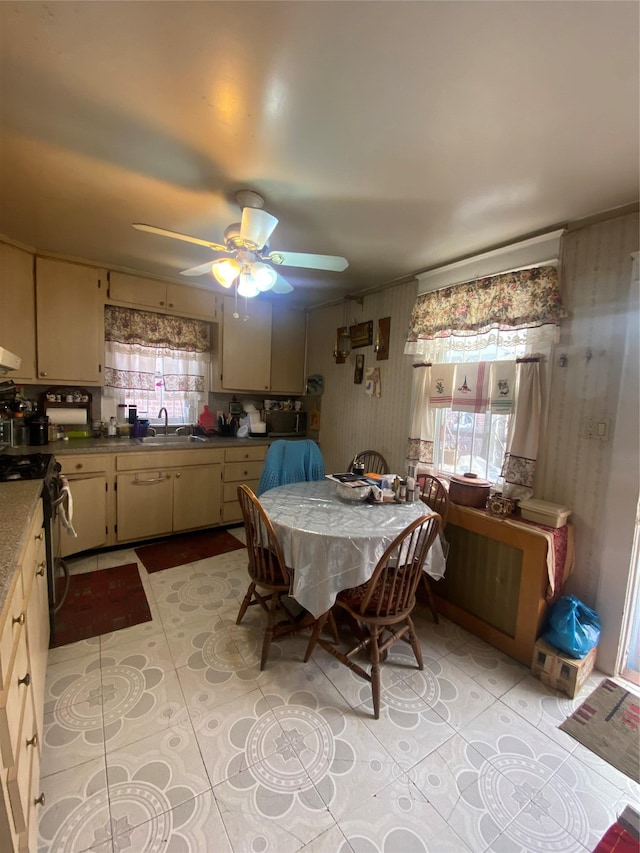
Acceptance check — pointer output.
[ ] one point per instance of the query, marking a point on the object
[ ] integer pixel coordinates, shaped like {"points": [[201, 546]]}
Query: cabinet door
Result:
{"points": [[144, 505], [89, 515], [137, 290], [246, 346], [70, 321], [197, 497], [18, 314], [288, 340], [192, 302]]}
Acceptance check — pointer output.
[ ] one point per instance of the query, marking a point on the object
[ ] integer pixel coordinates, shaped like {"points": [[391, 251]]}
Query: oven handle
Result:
{"points": [[67, 580]]}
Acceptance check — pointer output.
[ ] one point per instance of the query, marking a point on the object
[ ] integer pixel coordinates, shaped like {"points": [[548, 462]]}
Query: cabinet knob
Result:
{"points": [[245, 473], [40, 536], [171, 305], [178, 475], [39, 801], [33, 741], [26, 680], [43, 373], [18, 620], [161, 303], [79, 465], [41, 568]]}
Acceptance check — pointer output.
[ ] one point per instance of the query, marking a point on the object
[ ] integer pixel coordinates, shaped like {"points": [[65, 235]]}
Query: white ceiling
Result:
{"points": [[400, 135]]}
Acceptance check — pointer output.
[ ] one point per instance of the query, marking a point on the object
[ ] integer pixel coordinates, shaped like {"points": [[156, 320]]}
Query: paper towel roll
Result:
{"points": [[66, 416]]}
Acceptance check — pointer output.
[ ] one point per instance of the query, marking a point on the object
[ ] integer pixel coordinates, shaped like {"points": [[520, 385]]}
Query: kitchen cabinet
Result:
{"points": [[246, 346], [242, 466], [89, 477], [149, 293], [288, 343], [18, 314], [158, 493], [70, 321], [24, 641]]}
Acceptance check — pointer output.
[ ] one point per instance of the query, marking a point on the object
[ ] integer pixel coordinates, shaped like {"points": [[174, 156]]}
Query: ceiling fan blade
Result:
{"points": [[281, 285], [201, 269], [184, 237], [256, 226], [312, 262]]}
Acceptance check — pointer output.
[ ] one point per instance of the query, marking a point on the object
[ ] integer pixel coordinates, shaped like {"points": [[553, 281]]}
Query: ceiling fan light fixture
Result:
{"points": [[256, 227], [264, 276], [226, 271], [247, 286]]}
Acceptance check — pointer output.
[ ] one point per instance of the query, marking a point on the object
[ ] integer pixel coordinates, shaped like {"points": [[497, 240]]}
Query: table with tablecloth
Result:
{"points": [[332, 544]]}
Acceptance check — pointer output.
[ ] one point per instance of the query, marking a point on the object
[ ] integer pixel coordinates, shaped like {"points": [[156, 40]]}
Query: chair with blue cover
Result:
{"points": [[291, 462]]}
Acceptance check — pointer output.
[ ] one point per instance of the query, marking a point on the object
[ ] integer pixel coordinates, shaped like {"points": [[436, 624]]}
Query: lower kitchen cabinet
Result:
{"points": [[88, 477], [167, 492], [24, 641], [242, 466]]}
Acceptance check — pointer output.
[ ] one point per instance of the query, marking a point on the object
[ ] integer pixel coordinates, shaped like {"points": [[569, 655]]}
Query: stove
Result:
{"points": [[29, 466]]}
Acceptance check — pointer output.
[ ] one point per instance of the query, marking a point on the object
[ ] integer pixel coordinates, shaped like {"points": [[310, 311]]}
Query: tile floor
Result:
{"points": [[166, 736]]}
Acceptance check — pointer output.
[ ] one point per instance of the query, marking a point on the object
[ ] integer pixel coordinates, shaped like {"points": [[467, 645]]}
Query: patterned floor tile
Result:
{"points": [[193, 826], [439, 639], [73, 734], [206, 687], [154, 775], [186, 592], [272, 806], [74, 681], [79, 649], [448, 691], [396, 819], [330, 840], [147, 638], [491, 668], [117, 557], [82, 564], [75, 816]]}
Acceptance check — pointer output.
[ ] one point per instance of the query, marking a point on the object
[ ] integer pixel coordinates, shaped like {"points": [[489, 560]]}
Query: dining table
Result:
{"points": [[332, 544]]}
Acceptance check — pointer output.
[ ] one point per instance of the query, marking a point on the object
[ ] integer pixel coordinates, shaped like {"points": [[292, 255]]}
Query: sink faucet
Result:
{"points": [[166, 419]]}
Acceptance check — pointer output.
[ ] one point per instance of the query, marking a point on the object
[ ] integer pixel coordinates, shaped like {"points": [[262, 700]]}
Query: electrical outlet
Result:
{"points": [[589, 428], [597, 428]]}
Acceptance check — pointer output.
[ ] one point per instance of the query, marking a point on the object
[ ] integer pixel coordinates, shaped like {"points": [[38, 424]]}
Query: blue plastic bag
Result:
{"points": [[573, 627]]}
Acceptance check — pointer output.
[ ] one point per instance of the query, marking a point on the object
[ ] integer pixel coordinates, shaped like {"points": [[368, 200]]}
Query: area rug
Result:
{"points": [[101, 602], [608, 723], [186, 548]]}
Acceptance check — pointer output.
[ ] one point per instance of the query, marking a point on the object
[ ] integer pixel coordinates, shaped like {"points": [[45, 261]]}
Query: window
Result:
{"points": [[154, 360]]}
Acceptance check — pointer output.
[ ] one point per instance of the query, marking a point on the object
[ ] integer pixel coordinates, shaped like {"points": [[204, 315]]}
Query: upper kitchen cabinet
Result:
{"points": [[18, 309], [70, 321], [288, 340], [162, 296], [246, 345]]}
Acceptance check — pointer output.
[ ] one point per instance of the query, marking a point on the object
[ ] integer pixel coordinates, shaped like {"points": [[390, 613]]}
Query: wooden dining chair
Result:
{"points": [[433, 492], [384, 604], [373, 462], [267, 569]]}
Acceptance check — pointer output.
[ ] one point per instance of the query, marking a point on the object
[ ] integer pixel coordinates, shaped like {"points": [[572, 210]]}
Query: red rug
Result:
{"points": [[101, 602], [187, 548]]}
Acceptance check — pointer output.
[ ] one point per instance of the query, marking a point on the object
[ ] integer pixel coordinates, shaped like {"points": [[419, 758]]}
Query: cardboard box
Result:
{"points": [[557, 670]]}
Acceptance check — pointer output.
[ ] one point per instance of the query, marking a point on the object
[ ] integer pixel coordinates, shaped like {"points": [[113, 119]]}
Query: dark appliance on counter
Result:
{"points": [[43, 466], [38, 426], [286, 423]]}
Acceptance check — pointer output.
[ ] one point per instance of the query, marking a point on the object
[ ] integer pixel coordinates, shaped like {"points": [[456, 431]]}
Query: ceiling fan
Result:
{"points": [[248, 261]]}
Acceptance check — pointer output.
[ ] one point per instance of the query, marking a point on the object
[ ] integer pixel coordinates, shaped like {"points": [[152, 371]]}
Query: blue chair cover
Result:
{"points": [[291, 462]]}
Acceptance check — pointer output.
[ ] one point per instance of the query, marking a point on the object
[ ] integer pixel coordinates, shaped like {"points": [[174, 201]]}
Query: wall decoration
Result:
{"points": [[315, 385], [372, 388], [314, 419], [358, 373], [342, 346], [383, 334], [361, 334]]}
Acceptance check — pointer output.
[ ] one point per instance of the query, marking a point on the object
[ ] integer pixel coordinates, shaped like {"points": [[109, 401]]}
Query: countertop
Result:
{"points": [[133, 445], [18, 501]]}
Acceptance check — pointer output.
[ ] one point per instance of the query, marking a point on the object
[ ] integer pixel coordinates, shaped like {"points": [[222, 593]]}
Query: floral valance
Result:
{"points": [[515, 300], [129, 326]]}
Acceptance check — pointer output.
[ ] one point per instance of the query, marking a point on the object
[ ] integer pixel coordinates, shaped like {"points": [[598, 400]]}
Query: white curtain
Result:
{"points": [[420, 449], [524, 433]]}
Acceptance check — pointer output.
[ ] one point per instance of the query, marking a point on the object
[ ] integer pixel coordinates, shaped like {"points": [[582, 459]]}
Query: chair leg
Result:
{"points": [[315, 636], [246, 601], [430, 599], [268, 634], [415, 643], [333, 628], [374, 656]]}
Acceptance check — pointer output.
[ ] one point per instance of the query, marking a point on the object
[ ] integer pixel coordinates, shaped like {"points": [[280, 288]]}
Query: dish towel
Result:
{"points": [[65, 507], [502, 386], [441, 385], [471, 387]]}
